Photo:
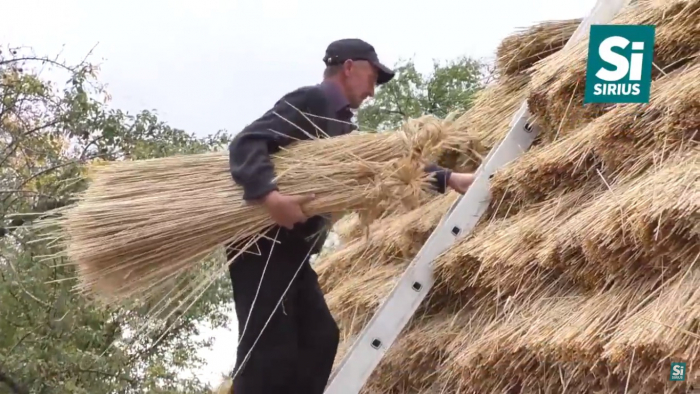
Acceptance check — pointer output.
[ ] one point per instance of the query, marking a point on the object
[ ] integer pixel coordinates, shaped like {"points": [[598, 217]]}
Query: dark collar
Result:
{"points": [[335, 96]]}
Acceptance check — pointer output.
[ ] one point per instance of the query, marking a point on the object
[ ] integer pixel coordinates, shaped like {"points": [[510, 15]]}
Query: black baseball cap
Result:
{"points": [[355, 49]]}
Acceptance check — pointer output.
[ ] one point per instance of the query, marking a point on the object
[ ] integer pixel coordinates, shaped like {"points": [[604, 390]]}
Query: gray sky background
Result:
{"points": [[214, 64]]}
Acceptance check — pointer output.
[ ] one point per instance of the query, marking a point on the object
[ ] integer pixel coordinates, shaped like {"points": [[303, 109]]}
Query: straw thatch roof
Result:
{"points": [[583, 274]]}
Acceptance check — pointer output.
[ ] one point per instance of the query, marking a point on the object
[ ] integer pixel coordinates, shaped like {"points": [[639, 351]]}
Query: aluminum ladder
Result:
{"points": [[396, 311]]}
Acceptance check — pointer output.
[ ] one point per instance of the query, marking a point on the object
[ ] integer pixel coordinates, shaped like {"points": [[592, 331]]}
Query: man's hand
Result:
{"points": [[460, 182], [286, 210]]}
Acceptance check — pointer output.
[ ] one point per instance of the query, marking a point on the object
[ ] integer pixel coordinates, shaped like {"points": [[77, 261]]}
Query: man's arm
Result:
{"points": [[249, 152]]}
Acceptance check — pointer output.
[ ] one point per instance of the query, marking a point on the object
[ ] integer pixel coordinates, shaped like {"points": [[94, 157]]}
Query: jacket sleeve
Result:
{"points": [[249, 152], [442, 176]]}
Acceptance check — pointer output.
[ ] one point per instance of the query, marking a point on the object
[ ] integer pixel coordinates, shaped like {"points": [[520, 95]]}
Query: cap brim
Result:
{"points": [[385, 73]]}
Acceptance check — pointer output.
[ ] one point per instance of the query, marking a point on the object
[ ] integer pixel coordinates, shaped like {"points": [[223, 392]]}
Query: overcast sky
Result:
{"points": [[218, 64]]}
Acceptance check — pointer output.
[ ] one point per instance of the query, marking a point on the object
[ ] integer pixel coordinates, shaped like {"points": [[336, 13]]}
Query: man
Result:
{"points": [[297, 346]]}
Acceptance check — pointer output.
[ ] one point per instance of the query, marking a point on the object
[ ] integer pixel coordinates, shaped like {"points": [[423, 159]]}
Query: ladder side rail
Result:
{"points": [[407, 295]]}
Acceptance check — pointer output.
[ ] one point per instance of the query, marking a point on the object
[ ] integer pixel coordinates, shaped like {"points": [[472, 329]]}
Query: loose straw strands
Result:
{"points": [[142, 222], [520, 51], [626, 141], [647, 226], [558, 82]]}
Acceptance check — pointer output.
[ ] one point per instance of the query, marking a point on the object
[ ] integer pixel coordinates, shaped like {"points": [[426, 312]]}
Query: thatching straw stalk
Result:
{"points": [[665, 330], [559, 81], [645, 227], [464, 147], [520, 51], [626, 141], [141, 223]]}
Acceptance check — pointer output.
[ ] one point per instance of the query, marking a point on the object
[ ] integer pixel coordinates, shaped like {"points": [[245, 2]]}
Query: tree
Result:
{"points": [[54, 340], [450, 87]]}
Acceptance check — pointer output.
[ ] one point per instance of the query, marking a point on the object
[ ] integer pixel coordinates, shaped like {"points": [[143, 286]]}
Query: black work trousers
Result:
{"points": [[296, 350]]}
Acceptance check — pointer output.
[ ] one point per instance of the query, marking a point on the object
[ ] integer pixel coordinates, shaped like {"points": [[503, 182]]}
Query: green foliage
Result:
{"points": [[450, 87], [53, 340]]}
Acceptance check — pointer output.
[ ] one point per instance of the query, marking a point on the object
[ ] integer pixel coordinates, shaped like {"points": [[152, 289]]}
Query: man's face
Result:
{"points": [[359, 82]]}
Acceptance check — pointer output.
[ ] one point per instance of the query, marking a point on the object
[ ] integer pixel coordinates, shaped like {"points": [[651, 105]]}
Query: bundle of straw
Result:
{"points": [[539, 345], [640, 228], [486, 122], [559, 81], [503, 254], [520, 51], [483, 126], [352, 227], [141, 223], [394, 239]]}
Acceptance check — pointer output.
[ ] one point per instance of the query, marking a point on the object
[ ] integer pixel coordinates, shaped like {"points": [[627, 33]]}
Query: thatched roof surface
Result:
{"points": [[583, 274], [558, 83]]}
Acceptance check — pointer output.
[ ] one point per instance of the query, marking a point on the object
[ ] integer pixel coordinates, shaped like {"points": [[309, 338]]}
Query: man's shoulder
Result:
{"points": [[304, 94], [306, 99]]}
